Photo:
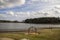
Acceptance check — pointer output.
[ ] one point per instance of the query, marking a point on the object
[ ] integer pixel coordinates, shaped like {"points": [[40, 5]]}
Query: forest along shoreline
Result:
{"points": [[41, 20]]}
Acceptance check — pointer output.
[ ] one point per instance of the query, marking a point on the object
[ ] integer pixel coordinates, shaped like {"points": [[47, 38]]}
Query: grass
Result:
{"points": [[45, 34]]}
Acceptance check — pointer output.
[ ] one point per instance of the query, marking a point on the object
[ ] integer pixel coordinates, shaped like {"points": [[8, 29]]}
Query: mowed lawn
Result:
{"points": [[44, 34]]}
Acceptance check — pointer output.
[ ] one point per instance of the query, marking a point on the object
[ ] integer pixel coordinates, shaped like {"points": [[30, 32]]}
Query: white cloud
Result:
{"points": [[53, 12], [57, 6], [34, 0], [10, 13], [45, 12], [46, 2], [11, 3]]}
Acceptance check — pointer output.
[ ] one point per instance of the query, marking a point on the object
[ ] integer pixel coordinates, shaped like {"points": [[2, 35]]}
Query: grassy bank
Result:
{"points": [[45, 34]]}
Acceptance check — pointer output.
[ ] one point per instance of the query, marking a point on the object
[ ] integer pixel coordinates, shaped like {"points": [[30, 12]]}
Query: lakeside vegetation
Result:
{"points": [[44, 20], [45, 34], [8, 21], [41, 20]]}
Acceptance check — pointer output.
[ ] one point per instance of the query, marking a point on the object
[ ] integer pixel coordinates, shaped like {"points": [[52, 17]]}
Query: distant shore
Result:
{"points": [[41, 20]]}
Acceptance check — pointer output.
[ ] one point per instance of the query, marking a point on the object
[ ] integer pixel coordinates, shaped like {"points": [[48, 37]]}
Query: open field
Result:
{"points": [[44, 34]]}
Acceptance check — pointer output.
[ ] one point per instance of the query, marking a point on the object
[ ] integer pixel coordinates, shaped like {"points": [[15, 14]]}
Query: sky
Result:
{"points": [[24, 9]]}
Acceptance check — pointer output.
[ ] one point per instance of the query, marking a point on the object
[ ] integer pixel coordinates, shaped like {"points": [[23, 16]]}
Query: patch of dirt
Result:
{"points": [[6, 39]]}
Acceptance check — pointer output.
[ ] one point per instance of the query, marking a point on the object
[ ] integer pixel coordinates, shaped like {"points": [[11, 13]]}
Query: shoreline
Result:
{"points": [[32, 23], [8, 31]]}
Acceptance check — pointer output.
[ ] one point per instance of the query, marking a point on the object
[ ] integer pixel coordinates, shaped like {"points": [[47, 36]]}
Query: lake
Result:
{"points": [[22, 26]]}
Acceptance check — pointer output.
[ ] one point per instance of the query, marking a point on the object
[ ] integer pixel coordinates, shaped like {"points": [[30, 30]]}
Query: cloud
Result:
{"points": [[44, 8], [40, 4], [10, 13], [34, 0], [11, 3], [46, 2], [53, 12]]}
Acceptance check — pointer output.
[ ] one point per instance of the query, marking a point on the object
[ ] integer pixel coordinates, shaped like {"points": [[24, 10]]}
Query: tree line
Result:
{"points": [[7, 21], [43, 20]]}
